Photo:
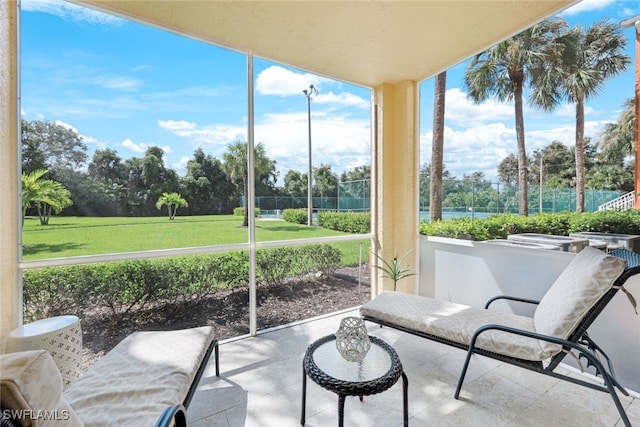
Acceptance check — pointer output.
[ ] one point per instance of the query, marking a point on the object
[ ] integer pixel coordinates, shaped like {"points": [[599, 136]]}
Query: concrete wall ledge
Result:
{"points": [[470, 273]]}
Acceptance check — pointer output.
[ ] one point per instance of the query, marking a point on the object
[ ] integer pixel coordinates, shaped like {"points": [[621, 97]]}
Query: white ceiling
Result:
{"points": [[362, 42]]}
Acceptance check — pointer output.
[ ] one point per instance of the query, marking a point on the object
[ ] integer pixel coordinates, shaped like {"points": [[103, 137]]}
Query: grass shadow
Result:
{"points": [[49, 248]]}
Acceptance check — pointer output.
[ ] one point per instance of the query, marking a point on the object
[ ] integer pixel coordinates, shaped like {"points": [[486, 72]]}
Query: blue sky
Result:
{"points": [[127, 86]]}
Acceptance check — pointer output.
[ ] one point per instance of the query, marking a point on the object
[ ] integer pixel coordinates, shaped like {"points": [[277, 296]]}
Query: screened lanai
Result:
{"points": [[386, 46]]}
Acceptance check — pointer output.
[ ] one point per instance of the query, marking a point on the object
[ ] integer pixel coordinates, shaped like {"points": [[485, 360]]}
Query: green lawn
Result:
{"points": [[74, 236]]}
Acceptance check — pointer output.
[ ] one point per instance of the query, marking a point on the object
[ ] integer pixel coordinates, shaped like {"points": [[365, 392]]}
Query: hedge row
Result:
{"points": [[127, 286], [561, 224], [240, 211], [295, 216], [349, 222]]}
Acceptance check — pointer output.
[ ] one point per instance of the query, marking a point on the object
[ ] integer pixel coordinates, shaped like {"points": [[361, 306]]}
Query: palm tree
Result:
{"points": [[618, 139], [598, 54], [30, 189], [236, 166], [504, 70], [54, 198], [48, 196], [173, 202], [437, 147]]}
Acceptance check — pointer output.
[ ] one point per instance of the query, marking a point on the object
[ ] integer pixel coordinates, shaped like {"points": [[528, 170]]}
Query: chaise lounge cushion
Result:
{"points": [[585, 280], [140, 378], [578, 288], [31, 390], [457, 323]]}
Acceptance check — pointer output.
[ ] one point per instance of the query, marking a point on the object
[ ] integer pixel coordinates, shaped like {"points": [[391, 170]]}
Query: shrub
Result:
{"points": [[240, 211], [126, 287], [296, 216], [326, 258], [561, 224], [349, 222], [274, 265], [51, 292], [626, 222]]}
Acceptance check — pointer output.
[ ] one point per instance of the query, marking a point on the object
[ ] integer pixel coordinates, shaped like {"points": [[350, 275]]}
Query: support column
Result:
{"points": [[637, 106], [10, 218], [396, 155]]}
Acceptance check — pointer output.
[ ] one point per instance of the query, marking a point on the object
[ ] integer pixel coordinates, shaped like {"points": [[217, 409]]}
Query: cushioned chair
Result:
{"points": [[148, 379], [539, 343]]}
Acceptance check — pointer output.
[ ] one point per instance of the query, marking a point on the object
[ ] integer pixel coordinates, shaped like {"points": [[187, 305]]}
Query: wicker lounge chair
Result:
{"points": [[539, 343]]}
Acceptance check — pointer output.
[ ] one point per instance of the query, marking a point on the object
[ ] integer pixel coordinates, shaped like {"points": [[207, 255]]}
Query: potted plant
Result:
{"points": [[394, 269]]}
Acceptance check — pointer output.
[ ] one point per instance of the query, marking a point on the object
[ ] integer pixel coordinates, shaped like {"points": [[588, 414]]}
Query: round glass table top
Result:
{"points": [[375, 364]]}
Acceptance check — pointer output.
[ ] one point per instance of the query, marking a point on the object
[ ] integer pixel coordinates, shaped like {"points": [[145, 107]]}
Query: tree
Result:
{"points": [[355, 187], [136, 188], [357, 174], [437, 147], [618, 139], [558, 166], [54, 198], [596, 54], [448, 183], [30, 189], [50, 145], [206, 185], [105, 166], [46, 195], [326, 182], [508, 170], [147, 178], [504, 70], [236, 166], [295, 183], [173, 201]]}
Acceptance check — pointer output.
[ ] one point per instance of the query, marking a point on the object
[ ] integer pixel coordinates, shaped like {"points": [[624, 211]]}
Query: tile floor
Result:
{"points": [[261, 381]]}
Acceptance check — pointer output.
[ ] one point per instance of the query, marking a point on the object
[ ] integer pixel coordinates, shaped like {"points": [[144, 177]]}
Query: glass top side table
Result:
{"points": [[377, 372]]}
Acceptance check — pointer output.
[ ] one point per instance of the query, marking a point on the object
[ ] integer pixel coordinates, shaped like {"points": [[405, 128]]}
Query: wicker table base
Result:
{"points": [[377, 372]]}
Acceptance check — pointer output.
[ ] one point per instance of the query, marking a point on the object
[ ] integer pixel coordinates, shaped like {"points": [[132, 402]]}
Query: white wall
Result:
{"points": [[470, 273]]}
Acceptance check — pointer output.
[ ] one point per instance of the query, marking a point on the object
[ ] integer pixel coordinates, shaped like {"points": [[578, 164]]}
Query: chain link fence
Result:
{"points": [[459, 198]]}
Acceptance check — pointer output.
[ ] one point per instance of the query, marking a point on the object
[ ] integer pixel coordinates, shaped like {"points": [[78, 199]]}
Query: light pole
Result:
{"points": [[540, 186], [307, 94]]}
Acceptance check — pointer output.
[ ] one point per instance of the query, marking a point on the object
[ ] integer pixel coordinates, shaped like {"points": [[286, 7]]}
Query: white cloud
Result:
{"points": [[481, 148], [138, 148], [587, 6], [461, 111], [176, 125], [214, 136], [181, 166], [281, 81], [119, 82], [95, 142], [142, 147], [344, 99], [277, 80], [339, 141], [66, 125], [70, 12]]}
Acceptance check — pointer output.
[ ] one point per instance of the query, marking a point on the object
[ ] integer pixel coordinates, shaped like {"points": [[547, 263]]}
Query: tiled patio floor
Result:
{"points": [[261, 378]]}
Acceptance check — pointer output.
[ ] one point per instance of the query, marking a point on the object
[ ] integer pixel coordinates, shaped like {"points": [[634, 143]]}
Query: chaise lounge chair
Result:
{"points": [[539, 343]]}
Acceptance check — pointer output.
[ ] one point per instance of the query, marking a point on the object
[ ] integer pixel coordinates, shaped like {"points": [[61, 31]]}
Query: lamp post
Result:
{"points": [[307, 94], [540, 186]]}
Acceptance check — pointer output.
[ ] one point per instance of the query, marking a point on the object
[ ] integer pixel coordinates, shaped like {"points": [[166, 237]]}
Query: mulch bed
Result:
{"points": [[228, 311]]}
